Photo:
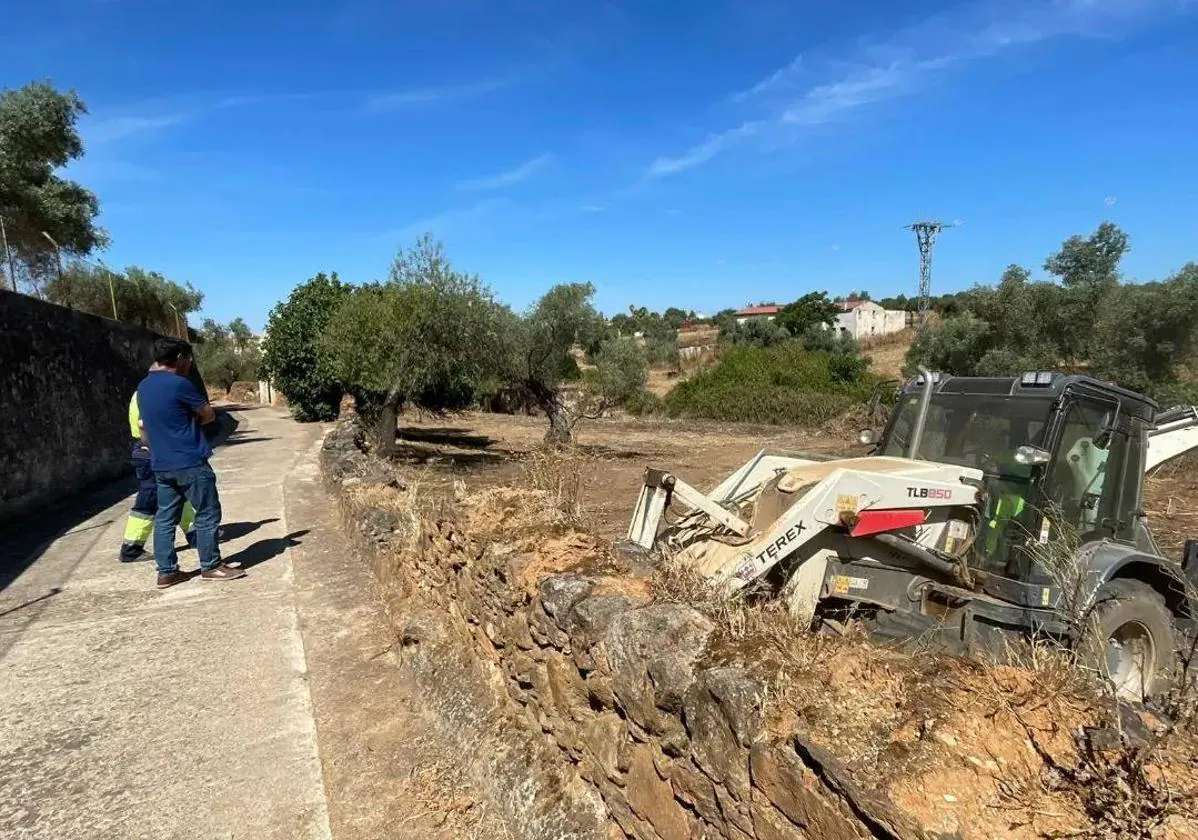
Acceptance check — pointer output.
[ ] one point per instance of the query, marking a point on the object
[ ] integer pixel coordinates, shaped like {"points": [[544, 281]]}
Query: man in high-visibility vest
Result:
{"points": [[140, 524]]}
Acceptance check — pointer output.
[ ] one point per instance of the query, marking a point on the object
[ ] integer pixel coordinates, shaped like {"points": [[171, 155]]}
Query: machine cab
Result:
{"points": [[1062, 457]]}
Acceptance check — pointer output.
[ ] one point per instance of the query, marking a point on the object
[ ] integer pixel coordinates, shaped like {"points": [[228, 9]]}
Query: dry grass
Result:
{"points": [[434, 792]]}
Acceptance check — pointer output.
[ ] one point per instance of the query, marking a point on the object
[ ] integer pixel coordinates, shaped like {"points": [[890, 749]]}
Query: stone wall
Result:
{"points": [[587, 709], [65, 383]]}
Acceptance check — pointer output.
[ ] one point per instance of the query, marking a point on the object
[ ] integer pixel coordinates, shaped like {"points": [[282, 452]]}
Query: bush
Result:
{"points": [[291, 355], [783, 384], [643, 403]]}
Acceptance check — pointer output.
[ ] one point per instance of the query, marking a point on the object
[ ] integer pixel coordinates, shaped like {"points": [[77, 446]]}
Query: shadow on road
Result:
{"points": [[237, 530], [25, 539], [264, 550], [53, 591]]}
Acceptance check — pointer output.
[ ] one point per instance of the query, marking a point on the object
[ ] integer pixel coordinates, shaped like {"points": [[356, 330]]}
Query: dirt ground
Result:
{"points": [[482, 450]]}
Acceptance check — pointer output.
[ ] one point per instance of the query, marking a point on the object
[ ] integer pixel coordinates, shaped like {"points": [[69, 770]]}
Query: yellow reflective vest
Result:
{"points": [[134, 418]]}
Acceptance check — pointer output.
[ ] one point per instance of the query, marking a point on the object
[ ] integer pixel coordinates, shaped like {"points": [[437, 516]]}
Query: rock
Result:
{"points": [[723, 716], [599, 690], [588, 621], [770, 824], [569, 692], [516, 629], [558, 593], [603, 737], [651, 797], [695, 789], [667, 638], [736, 813]]}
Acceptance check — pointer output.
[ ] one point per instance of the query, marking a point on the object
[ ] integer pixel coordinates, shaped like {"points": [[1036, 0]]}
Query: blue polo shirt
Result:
{"points": [[168, 403]]}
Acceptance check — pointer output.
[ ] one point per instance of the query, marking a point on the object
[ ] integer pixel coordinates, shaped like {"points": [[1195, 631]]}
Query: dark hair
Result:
{"points": [[168, 351]]}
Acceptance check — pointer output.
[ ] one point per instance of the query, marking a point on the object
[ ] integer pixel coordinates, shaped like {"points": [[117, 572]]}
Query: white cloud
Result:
{"points": [[441, 223], [110, 129], [431, 95], [508, 178], [813, 90]]}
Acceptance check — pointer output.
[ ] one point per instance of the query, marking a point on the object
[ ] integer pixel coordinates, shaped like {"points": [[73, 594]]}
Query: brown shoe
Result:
{"points": [[166, 581], [222, 572]]}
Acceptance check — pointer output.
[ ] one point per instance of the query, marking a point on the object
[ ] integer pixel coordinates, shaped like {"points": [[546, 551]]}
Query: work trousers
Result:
{"points": [[140, 523]]}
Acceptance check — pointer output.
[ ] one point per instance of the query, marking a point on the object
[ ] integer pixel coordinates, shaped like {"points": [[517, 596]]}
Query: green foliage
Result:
{"points": [[38, 136], [429, 335], [621, 370], [783, 384], [142, 297], [662, 349], [1137, 335], [226, 353], [811, 310], [291, 355], [1142, 332], [562, 318], [644, 403], [754, 332]]}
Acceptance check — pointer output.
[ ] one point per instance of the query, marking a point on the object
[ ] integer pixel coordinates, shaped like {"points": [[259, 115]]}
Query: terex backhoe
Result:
{"points": [[989, 509]]}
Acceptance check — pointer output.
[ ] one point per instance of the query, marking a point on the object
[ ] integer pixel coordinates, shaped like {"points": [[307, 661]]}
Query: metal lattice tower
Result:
{"points": [[925, 236]]}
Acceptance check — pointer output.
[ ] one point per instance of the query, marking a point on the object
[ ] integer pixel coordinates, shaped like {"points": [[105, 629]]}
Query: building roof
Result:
{"points": [[751, 311]]}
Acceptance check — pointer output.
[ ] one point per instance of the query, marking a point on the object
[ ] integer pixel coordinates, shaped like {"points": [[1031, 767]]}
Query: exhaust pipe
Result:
{"points": [[921, 417]]}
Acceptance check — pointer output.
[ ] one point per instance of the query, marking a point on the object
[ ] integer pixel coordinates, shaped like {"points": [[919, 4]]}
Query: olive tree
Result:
{"points": [[428, 336], [542, 354]]}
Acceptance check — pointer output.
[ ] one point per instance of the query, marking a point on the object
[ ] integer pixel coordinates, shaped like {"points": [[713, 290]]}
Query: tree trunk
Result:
{"points": [[561, 419], [561, 426], [388, 421]]}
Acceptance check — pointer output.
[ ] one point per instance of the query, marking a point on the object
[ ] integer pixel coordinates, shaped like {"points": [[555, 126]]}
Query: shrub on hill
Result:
{"points": [[783, 384]]}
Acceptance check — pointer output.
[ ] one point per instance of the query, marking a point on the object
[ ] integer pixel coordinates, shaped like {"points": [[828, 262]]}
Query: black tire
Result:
{"points": [[1131, 639]]}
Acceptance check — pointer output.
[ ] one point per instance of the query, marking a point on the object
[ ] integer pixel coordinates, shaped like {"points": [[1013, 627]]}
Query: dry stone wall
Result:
{"points": [[588, 711]]}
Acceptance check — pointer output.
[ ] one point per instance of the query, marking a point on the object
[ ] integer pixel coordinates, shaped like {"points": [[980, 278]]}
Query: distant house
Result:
{"points": [[864, 318], [749, 312]]}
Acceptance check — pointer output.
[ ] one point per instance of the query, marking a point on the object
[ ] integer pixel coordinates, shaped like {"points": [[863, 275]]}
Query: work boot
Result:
{"points": [[222, 572], [131, 553], [166, 581]]}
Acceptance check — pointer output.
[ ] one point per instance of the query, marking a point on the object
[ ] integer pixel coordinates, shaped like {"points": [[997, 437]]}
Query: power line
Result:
{"points": [[925, 236]]}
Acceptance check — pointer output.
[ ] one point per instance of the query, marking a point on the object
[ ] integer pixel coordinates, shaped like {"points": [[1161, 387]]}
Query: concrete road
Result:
{"points": [[269, 707]]}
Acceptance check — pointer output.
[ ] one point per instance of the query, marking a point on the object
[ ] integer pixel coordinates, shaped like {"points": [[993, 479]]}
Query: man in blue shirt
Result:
{"points": [[172, 413]]}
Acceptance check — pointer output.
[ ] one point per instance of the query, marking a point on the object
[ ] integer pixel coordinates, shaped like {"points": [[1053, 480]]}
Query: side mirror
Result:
{"points": [[867, 437], [1032, 456]]}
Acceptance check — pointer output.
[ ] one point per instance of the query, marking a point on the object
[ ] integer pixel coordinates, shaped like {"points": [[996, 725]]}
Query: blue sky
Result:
{"points": [[701, 154]]}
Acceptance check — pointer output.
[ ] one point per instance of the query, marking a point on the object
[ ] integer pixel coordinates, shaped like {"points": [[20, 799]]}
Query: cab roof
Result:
{"points": [[1034, 384]]}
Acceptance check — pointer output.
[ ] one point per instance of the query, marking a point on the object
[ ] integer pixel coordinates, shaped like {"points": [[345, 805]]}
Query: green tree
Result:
{"points": [[621, 370], [674, 317], [754, 332], [39, 136], [142, 297], [811, 310], [1088, 268], [428, 336], [1143, 332], [225, 358], [291, 355], [541, 361]]}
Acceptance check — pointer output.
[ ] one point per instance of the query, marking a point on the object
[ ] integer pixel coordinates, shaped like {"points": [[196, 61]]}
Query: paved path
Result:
{"points": [[269, 707]]}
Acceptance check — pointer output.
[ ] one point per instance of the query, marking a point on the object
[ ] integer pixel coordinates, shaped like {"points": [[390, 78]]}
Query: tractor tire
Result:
{"points": [[1131, 639]]}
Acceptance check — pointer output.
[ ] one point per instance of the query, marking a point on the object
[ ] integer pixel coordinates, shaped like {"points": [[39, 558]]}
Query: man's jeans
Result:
{"points": [[198, 486]]}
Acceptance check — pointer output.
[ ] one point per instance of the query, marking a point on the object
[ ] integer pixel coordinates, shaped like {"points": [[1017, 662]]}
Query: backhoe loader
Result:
{"points": [[987, 510]]}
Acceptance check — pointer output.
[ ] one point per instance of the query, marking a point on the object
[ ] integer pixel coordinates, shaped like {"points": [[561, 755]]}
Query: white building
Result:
{"points": [[864, 319]]}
